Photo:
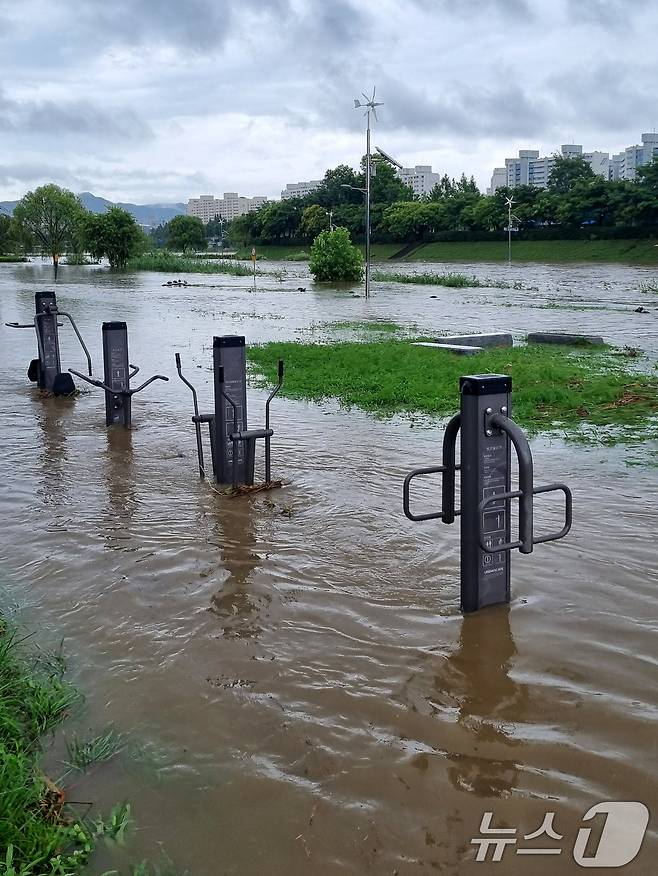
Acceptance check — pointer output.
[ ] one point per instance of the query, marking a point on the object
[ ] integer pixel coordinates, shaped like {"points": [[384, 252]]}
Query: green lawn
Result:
{"points": [[555, 388], [640, 252]]}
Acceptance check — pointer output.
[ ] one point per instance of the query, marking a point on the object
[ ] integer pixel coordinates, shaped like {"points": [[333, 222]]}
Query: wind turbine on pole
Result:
{"points": [[370, 105], [510, 202]]}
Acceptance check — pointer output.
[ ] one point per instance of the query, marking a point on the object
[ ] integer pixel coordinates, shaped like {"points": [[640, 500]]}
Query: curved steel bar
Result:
{"points": [[568, 511], [516, 494], [449, 468], [19, 325], [133, 372], [143, 386], [82, 343], [520, 442], [510, 545], [93, 381], [268, 466], [437, 515], [197, 426]]}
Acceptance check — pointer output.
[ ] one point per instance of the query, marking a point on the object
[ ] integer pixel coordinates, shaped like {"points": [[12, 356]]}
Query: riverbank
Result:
{"points": [[632, 252]]}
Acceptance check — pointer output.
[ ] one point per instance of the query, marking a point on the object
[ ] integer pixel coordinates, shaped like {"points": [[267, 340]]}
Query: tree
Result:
{"points": [[186, 233], [314, 220], [331, 193], [5, 234], [566, 172], [333, 257], [50, 216], [114, 234], [386, 187]]}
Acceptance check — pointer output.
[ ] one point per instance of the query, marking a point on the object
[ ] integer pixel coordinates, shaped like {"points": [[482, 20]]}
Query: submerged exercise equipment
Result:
{"points": [[117, 374], [486, 435], [232, 443], [46, 371]]}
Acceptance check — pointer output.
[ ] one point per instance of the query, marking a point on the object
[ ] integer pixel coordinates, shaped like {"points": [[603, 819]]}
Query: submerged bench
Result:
{"points": [[460, 349], [491, 339], [561, 338]]}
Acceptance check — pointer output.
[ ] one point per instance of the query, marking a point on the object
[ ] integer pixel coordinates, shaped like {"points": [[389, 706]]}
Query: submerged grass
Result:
{"points": [[452, 280], [555, 388], [178, 264]]}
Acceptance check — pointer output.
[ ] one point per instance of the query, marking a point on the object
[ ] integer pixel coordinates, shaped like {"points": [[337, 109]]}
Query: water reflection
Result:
{"points": [[119, 476], [237, 604], [478, 673], [52, 455]]}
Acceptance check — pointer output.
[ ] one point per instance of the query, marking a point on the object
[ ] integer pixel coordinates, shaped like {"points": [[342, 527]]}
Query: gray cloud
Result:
{"points": [[70, 119], [219, 95]]}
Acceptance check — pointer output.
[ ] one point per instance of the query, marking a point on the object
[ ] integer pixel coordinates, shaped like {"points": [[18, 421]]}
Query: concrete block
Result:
{"points": [[459, 349], [561, 338], [491, 339]]}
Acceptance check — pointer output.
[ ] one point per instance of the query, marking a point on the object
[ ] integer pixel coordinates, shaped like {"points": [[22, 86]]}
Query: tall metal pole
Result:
{"points": [[509, 232], [368, 204]]}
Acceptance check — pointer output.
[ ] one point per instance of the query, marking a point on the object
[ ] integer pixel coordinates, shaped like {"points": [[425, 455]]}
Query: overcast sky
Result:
{"points": [[161, 100]]}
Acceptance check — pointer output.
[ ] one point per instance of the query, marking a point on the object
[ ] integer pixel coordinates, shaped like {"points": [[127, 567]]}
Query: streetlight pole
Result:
{"points": [[369, 105]]}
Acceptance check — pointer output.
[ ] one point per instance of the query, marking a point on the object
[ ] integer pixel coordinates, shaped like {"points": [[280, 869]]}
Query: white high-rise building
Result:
{"points": [[208, 207], [420, 178], [625, 164], [300, 189], [530, 169]]}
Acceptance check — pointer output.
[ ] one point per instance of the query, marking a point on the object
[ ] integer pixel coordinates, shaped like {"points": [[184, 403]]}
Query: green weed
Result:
{"points": [[177, 264]]}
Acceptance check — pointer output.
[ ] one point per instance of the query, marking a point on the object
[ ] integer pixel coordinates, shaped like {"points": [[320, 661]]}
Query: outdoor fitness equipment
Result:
{"points": [[46, 371], [486, 434], [232, 443], [117, 376]]}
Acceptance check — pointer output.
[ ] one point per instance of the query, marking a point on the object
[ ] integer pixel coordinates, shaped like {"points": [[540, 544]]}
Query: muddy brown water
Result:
{"points": [[300, 692]]}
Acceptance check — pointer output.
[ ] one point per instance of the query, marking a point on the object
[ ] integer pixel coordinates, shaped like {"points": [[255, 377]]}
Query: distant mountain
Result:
{"points": [[149, 215]]}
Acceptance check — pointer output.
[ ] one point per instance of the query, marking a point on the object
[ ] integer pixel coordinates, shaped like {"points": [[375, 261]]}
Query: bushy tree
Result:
{"points": [[333, 257], [314, 220], [186, 233], [6, 240], [566, 172], [50, 216], [114, 235]]}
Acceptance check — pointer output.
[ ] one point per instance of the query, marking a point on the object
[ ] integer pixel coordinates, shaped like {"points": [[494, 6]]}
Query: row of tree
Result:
{"points": [[575, 197], [52, 220]]}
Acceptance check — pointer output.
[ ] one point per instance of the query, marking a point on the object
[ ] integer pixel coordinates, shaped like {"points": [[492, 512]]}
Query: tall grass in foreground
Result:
{"points": [[178, 264], [34, 699], [452, 280], [555, 388]]}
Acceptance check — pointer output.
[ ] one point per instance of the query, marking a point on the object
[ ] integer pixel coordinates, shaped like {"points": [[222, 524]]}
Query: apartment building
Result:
{"points": [[207, 207], [300, 189], [624, 165], [531, 169], [420, 178]]}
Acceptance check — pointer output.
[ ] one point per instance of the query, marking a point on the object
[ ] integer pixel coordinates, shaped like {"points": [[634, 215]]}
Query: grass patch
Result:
{"points": [[555, 389], [35, 838], [649, 287], [13, 258], [364, 325], [639, 252], [452, 280], [177, 264]]}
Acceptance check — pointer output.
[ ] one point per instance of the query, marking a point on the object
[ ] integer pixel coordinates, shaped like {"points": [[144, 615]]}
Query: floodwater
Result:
{"points": [[299, 690]]}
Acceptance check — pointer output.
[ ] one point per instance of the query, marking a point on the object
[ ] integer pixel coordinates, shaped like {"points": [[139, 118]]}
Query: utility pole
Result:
{"points": [[370, 106]]}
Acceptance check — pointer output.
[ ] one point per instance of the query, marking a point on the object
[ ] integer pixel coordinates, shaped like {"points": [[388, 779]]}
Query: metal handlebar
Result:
{"points": [[525, 494], [268, 467], [75, 329], [195, 420], [447, 513]]}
